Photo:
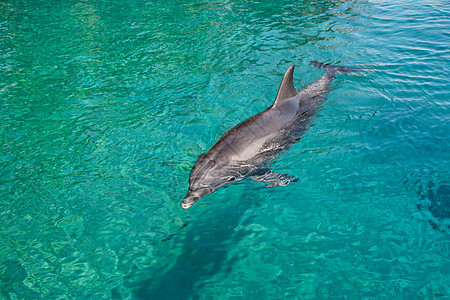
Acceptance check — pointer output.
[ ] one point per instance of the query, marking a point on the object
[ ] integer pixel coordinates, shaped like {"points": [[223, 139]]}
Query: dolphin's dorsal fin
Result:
{"points": [[287, 89]]}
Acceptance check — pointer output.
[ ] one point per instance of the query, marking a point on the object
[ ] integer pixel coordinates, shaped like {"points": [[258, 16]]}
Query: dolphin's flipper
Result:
{"points": [[274, 179]]}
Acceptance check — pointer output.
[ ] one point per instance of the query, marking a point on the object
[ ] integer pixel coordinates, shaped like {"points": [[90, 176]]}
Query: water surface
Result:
{"points": [[105, 106]]}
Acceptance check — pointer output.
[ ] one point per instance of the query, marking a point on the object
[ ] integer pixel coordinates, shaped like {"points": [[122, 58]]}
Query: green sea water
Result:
{"points": [[106, 105]]}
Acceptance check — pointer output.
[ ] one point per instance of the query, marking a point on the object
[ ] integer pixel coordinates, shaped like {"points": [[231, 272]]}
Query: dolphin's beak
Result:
{"points": [[189, 199], [193, 196], [186, 205]]}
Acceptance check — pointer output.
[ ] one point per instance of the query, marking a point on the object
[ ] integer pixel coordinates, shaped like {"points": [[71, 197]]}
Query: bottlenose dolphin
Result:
{"points": [[246, 150]]}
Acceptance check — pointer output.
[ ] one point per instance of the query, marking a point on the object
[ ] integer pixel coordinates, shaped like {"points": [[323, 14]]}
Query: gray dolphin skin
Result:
{"points": [[246, 150]]}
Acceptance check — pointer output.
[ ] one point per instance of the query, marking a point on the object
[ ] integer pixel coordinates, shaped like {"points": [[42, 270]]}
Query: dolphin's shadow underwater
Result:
{"points": [[434, 203], [246, 150]]}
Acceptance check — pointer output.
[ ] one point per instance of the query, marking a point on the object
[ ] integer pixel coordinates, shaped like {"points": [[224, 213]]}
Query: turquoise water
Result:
{"points": [[105, 106]]}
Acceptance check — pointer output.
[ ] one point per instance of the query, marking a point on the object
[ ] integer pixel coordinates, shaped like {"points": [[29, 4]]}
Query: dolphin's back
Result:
{"points": [[247, 139]]}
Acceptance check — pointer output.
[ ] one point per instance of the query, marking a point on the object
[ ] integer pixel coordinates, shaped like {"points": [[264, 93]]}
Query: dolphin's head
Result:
{"points": [[206, 176]]}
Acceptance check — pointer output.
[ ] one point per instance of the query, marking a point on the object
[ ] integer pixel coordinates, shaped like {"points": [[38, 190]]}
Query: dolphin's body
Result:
{"points": [[246, 150]]}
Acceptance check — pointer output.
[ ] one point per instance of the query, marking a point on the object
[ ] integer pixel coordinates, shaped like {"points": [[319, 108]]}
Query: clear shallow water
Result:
{"points": [[105, 106]]}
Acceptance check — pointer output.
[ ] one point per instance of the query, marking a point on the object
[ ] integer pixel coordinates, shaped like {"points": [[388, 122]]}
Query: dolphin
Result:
{"points": [[246, 150]]}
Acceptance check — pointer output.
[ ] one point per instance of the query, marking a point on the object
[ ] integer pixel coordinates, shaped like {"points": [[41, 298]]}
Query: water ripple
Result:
{"points": [[105, 108]]}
